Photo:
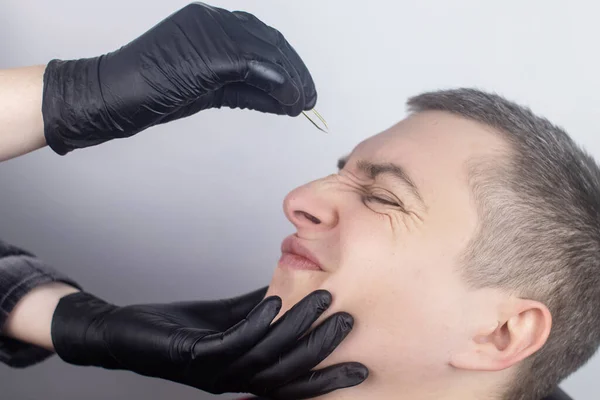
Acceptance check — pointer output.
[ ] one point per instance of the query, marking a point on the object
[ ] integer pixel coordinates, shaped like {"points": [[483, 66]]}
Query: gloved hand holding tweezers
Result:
{"points": [[198, 58]]}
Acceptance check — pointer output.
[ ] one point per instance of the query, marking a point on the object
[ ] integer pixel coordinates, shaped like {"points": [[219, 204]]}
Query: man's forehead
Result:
{"points": [[431, 136]]}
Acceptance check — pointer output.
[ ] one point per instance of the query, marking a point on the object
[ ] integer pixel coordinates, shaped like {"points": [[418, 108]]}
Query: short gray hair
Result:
{"points": [[539, 230]]}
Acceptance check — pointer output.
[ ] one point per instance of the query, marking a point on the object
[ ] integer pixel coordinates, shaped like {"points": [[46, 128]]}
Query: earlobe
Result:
{"points": [[523, 331]]}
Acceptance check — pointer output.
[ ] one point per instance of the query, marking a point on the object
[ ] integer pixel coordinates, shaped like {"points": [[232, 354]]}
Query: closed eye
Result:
{"points": [[383, 201]]}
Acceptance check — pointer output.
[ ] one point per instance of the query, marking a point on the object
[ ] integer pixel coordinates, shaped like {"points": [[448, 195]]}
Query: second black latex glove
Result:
{"points": [[197, 58], [216, 346]]}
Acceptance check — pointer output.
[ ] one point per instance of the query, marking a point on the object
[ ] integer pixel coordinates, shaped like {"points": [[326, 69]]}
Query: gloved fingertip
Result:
{"points": [[356, 372], [265, 312], [310, 98], [273, 304], [322, 297], [293, 111], [310, 105], [346, 321], [274, 80]]}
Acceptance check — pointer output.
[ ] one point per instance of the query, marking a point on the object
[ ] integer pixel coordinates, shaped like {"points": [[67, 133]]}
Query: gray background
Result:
{"points": [[192, 210]]}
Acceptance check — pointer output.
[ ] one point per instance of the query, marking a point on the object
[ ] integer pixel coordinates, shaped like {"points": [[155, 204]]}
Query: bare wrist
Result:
{"points": [[31, 319]]}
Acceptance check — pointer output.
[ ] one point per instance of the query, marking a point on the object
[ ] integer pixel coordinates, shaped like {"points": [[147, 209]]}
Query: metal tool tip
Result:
{"points": [[325, 128]]}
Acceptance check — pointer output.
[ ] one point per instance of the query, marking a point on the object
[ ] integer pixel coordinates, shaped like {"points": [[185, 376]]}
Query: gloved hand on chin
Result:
{"points": [[216, 346]]}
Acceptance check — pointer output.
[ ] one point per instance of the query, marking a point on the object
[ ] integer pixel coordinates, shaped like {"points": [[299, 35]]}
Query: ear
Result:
{"points": [[523, 330]]}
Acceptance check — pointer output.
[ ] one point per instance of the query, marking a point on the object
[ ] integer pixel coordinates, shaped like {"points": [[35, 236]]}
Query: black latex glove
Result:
{"points": [[197, 58], [217, 346]]}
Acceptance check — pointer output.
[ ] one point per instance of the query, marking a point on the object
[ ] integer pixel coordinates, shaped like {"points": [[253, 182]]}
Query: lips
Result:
{"points": [[295, 256]]}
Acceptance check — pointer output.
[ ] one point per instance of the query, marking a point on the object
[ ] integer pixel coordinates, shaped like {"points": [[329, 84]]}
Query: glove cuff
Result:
{"points": [[72, 105], [77, 330]]}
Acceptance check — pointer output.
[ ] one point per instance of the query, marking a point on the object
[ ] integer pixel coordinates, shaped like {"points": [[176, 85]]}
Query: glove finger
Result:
{"points": [[233, 95], [282, 337], [243, 96], [308, 85], [241, 337], [239, 307], [218, 315], [308, 353], [323, 381], [256, 27], [275, 40], [275, 80]]}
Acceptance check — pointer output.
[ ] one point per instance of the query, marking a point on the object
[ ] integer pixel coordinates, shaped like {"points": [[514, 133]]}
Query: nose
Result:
{"points": [[311, 209]]}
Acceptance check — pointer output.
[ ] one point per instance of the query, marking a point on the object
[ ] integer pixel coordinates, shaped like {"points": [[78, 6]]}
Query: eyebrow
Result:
{"points": [[373, 170]]}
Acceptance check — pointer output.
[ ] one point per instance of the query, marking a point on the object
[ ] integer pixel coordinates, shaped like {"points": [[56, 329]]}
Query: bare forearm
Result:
{"points": [[21, 123], [31, 319]]}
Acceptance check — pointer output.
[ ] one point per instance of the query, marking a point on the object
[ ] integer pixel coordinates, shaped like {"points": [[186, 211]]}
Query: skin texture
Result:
{"points": [[21, 117], [31, 318], [421, 331]]}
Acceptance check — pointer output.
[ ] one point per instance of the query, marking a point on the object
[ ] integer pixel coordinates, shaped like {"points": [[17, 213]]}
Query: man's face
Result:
{"points": [[388, 248]]}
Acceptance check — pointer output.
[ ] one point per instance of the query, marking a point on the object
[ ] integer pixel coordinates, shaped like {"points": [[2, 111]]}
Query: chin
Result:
{"points": [[293, 285]]}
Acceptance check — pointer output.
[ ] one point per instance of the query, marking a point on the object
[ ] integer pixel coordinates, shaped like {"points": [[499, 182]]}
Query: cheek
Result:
{"points": [[403, 318]]}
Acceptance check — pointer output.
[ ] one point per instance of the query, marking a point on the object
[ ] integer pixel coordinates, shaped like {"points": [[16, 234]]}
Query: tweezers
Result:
{"points": [[326, 129]]}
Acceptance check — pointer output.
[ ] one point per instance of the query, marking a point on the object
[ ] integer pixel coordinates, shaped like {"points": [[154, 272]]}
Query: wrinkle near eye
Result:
{"points": [[346, 174], [347, 179], [400, 221], [393, 220]]}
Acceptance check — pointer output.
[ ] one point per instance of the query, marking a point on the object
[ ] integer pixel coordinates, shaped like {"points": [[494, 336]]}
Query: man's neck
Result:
{"points": [[422, 392]]}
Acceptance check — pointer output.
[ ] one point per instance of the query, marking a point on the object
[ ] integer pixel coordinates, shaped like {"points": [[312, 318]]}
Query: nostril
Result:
{"points": [[311, 218]]}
